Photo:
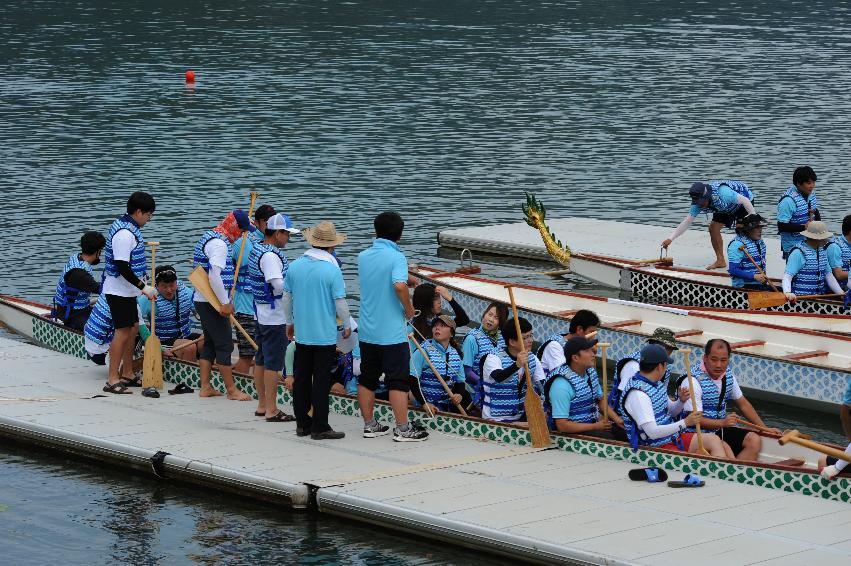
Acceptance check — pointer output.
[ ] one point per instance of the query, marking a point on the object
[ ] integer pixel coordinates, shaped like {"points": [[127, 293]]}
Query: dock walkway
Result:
{"points": [[544, 506]]}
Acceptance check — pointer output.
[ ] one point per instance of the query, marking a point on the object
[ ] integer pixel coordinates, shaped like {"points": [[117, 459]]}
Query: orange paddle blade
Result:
{"points": [[537, 420], [765, 299]]}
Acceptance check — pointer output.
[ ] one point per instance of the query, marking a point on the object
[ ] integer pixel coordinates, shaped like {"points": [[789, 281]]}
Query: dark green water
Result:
{"points": [[444, 111]]}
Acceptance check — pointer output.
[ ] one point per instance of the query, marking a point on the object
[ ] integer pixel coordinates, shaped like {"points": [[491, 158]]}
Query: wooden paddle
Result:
{"points": [[535, 415], [742, 422], [758, 268], [687, 361], [201, 282], [242, 246], [765, 299], [186, 345], [604, 380], [797, 438], [437, 375], [152, 365]]}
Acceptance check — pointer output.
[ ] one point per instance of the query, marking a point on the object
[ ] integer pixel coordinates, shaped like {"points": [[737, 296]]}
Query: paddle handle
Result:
{"points": [[687, 361], [154, 284], [838, 454], [758, 268], [242, 246], [186, 345], [520, 339], [604, 380], [437, 375]]}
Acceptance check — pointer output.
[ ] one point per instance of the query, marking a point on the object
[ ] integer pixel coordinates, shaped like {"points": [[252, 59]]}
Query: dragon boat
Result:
{"points": [[789, 468]]}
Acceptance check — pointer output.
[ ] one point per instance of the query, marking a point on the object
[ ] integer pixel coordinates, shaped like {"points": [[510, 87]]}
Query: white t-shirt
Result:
{"points": [[629, 369], [272, 268], [552, 356], [735, 392], [217, 253], [493, 363], [123, 243]]}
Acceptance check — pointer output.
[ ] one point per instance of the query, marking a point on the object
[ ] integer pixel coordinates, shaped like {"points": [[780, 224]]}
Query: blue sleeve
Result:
{"points": [[417, 362], [356, 349], [846, 399], [460, 375], [469, 350], [561, 396], [794, 262], [144, 306], [785, 209], [694, 211], [834, 255], [736, 258], [338, 286], [727, 195], [287, 286], [400, 269]]}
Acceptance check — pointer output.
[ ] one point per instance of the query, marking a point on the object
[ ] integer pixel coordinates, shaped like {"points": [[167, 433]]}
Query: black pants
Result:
{"points": [[313, 368], [77, 318]]}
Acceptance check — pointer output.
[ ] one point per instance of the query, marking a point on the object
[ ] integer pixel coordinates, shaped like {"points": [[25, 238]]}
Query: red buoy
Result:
{"points": [[190, 76]]}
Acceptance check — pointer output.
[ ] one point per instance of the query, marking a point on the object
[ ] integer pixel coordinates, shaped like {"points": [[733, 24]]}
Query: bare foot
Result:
{"points": [[209, 393], [719, 264], [237, 395]]}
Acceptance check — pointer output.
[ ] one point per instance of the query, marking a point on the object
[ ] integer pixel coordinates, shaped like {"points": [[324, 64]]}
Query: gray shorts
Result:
{"points": [[247, 321]]}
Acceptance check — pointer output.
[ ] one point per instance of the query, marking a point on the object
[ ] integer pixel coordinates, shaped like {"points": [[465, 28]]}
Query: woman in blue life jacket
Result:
{"points": [[807, 271], [428, 300], [480, 341], [747, 246]]}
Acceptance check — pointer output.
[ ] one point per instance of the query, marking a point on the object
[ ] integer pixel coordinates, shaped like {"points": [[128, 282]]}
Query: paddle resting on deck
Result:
{"points": [[152, 365]]}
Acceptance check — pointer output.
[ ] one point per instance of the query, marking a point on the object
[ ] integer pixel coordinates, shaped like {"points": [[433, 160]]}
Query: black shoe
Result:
{"points": [[302, 432], [328, 435]]}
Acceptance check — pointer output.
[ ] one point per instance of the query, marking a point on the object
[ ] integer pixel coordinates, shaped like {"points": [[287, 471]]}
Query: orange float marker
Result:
{"points": [[190, 76]]}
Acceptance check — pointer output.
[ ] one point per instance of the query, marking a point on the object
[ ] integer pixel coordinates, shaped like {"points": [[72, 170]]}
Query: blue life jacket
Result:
{"points": [[448, 363], [715, 204], [262, 290], [845, 249], [343, 371], [99, 328], [558, 339], [504, 400], [614, 399], [138, 263], [789, 240], [659, 398], [811, 279], [484, 346], [757, 250], [714, 401], [243, 285], [174, 317], [67, 297], [201, 258], [586, 395]]}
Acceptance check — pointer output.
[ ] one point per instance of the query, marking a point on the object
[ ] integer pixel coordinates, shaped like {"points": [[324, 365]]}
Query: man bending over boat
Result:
{"points": [[839, 253], [71, 302], [175, 311], [728, 201], [551, 351], [648, 411], [714, 386], [807, 270], [573, 397], [504, 377], [747, 246]]}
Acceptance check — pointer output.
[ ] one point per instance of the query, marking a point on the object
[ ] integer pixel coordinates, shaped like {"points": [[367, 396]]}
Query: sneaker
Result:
{"points": [[328, 435], [415, 433], [375, 430]]}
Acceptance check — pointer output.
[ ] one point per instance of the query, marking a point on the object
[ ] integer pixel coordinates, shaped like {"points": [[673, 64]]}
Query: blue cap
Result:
{"points": [[655, 354], [699, 191], [243, 221]]}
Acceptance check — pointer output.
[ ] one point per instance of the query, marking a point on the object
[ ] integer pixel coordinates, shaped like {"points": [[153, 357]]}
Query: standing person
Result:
{"points": [[267, 268], [243, 298], [796, 208], [77, 283], [807, 271], [174, 312], [551, 351], [384, 309], [213, 254], [839, 253], [743, 272], [124, 266], [728, 201], [315, 297], [428, 300]]}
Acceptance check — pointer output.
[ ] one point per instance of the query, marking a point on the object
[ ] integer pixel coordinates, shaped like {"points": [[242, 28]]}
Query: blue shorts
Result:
{"points": [[272, 346]]}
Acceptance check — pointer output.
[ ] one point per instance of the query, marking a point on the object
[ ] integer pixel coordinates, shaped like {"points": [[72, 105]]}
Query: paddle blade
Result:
{"points": [[537, 420], [201, 282], [152, 366], [765, 299]]}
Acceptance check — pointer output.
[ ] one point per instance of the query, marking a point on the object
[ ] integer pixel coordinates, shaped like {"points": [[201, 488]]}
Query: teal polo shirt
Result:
{"points": [[315, 285], [243, 301], [382, 317]]}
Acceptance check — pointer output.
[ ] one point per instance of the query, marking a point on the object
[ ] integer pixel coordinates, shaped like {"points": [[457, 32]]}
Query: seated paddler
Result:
{"points": [[72, 300], [807, 270], [445, 356], [573, 397], [551, 350], [652, 419], [839, 253], [175, 312], [747, 251]]}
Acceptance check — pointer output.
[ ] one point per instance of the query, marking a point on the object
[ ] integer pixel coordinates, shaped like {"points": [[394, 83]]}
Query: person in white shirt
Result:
{"points": [[551, 351]]}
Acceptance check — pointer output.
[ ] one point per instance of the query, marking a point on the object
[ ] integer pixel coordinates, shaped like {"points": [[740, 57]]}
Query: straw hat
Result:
{"points": [[324, 235], [817, 230]]}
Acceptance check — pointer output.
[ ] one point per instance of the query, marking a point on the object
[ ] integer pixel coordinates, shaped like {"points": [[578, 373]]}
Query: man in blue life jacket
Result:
{"points": [[573, 397], [839, 253], [728, 201], [796, 208], [243, 299], [715, 385], [71, 302], [175, 312], [747, 246], [807, 271]]}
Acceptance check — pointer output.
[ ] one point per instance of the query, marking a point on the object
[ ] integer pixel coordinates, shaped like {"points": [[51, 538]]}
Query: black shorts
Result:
{"points": [[123, 310], [734, 436], [730, 219], [393, 360], [218, 337]]}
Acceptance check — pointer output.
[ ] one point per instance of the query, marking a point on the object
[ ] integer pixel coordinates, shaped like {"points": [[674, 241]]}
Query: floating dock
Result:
{"points": [[622, 240], [542, 506]]}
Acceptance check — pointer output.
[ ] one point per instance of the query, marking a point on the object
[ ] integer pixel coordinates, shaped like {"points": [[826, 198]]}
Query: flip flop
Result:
{"points": [[690, 480], [180, 388], [650, 475], [259, 413], [151, 392], [134, 381], [281, 417], [116, 389]]}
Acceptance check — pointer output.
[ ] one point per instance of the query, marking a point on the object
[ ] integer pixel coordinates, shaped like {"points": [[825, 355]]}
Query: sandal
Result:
{"points": [[134, 381], [180, 388], [259, 413], [281, 417], [116, 389]]}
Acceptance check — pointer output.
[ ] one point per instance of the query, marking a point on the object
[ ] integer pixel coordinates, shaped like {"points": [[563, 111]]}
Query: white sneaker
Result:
{"points": [[415, 433], [375, 430]]}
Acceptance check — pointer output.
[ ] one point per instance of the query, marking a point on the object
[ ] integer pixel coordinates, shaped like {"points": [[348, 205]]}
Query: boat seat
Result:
{"points": [[686, 333], [623, 323], [565, 313], [747, 344], [805, 355], [793, 462]]}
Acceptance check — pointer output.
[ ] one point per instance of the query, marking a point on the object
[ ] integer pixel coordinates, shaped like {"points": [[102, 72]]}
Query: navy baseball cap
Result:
{"points": [[699, 191], [242, 220], [655, 354], [576, 345]]}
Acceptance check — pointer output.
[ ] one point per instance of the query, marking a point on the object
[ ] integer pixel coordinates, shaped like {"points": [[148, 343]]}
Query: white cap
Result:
{"points": [[282, 222]]}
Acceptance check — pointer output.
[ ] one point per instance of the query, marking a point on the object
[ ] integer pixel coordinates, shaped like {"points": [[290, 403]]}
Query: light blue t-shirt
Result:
{"points": [[243, 301], [382, 317], [418, 364], [834, 256], [469, 351], [794, 263], [726, 195], [561, 396], [315, 285]]}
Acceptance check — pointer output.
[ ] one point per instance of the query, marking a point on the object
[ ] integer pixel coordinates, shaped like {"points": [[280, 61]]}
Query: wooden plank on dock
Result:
{"points": [[623, 323], [747, 344], [807, 355], [687, 333]]}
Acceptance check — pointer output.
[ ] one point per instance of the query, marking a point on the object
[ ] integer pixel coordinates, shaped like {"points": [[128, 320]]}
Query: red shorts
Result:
{"points": [[686, 440]]}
